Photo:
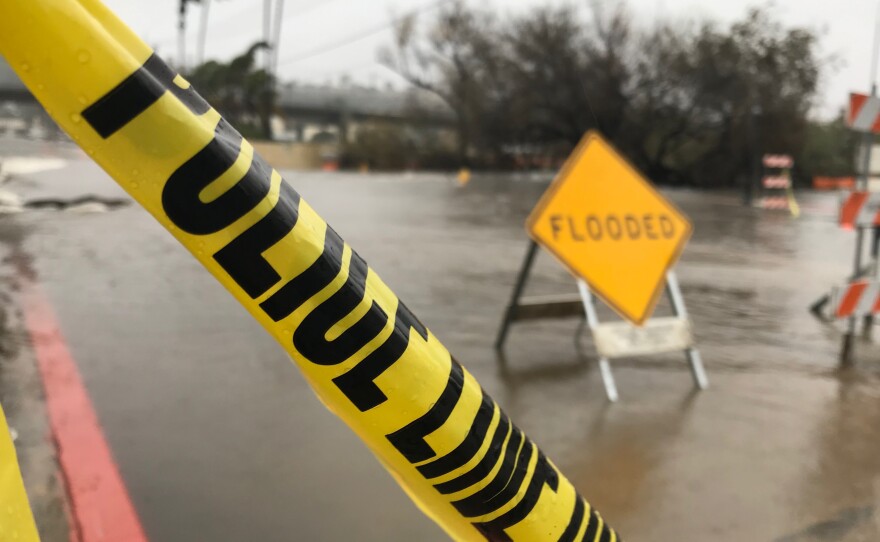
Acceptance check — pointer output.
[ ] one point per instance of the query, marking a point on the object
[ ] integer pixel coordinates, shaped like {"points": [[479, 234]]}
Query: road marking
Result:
{"points": [[101, 508]]}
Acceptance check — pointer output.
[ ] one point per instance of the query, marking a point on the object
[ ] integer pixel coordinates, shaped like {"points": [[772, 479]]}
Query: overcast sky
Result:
{"points": [[311, 26]]}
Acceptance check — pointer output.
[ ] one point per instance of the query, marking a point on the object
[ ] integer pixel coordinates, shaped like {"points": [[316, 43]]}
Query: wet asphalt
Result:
{"points": [[219, 438]]}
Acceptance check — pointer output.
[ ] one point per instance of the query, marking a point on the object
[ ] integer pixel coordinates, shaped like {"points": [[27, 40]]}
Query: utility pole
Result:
{"points": [[865, 177], [267, 34], [181, 38], [203, 32], [276, 41]]}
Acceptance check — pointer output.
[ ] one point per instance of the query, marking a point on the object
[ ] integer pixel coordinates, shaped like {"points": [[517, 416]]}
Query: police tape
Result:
{"points": [[374, 364], [16, 521]]}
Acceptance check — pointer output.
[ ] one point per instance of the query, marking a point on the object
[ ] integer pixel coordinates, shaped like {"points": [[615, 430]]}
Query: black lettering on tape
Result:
{"points": [[135, 94], [597, 525], [478, 504], [486, 464], [180, 196], [469, 447], [243, 257], [577, 519], [358, 383], [504, 487], [544, 474], [410, 439], [310, 337], [594, 524], [243, 260], [301, 288]]}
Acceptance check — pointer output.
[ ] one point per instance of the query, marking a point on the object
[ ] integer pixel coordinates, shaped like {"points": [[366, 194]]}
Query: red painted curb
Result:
{"points": [[101, 508]]}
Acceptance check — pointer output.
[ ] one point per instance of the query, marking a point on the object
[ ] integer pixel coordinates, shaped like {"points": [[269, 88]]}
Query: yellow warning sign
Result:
{"points": [[18, 524], [606, 223]]}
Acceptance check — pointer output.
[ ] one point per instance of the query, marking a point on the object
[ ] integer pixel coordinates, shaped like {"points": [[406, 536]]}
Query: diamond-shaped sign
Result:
{"points": [[606, 223]]}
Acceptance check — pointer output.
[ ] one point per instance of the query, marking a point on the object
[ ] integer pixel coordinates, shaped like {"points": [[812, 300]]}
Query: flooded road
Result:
{"points": [[219, 438]]}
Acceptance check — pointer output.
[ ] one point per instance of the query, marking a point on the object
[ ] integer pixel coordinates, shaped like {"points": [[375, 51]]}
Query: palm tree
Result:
{"points": [[241, 91]]}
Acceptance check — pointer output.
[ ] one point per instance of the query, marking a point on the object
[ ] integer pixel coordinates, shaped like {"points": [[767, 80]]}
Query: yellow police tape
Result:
{"points": [[368, 358], [16, 521]]}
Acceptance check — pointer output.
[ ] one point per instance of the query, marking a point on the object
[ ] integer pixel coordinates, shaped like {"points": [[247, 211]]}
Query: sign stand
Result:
{"points": [[584, 304], [698, 372], [593, 322], [510, 314]]}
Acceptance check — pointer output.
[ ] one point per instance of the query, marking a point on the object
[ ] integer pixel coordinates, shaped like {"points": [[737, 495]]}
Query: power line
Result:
{"points": [[236, 16], [361, 35], [312, 7]]}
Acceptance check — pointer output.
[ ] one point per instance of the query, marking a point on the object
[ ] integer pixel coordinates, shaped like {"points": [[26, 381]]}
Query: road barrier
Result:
{"points": [[860, 209], [778, 203], [858, 298], [776, 184], [369, 359], [834, 183], [777, 161], [16, 521], [863, 114]]}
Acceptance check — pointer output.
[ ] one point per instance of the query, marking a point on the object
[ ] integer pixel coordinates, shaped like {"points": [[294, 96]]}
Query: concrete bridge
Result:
{"points": [[306, 111]]}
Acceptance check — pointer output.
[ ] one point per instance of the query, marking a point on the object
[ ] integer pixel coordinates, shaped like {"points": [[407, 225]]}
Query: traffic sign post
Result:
{"points": [[620, 238]]}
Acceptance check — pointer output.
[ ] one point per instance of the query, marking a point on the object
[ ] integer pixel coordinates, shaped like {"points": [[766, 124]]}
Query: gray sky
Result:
{"points": [[310, 25]]}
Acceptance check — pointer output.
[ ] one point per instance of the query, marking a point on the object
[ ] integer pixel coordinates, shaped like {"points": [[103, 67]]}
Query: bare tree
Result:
{"points": [[691, 104]]}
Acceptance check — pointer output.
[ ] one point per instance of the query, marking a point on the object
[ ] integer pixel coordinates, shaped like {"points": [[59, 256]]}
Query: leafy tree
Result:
{"points": [[752, 88], [829, 149]]}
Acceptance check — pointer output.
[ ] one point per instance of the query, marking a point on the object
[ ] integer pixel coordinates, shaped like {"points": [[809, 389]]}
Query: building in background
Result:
{"points": [[313, 124]]}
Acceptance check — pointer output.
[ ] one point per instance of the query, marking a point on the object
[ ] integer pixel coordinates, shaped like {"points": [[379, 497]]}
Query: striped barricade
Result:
{"points": [[778, 161], [775, 202], [776, 182], [864, 113], [859, 298], [860, 209]]}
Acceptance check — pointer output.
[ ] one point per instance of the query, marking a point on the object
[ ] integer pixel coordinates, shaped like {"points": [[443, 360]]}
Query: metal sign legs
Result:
{"points": [[679, 311], [612, 339], [593, 322], [678, 308]]}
